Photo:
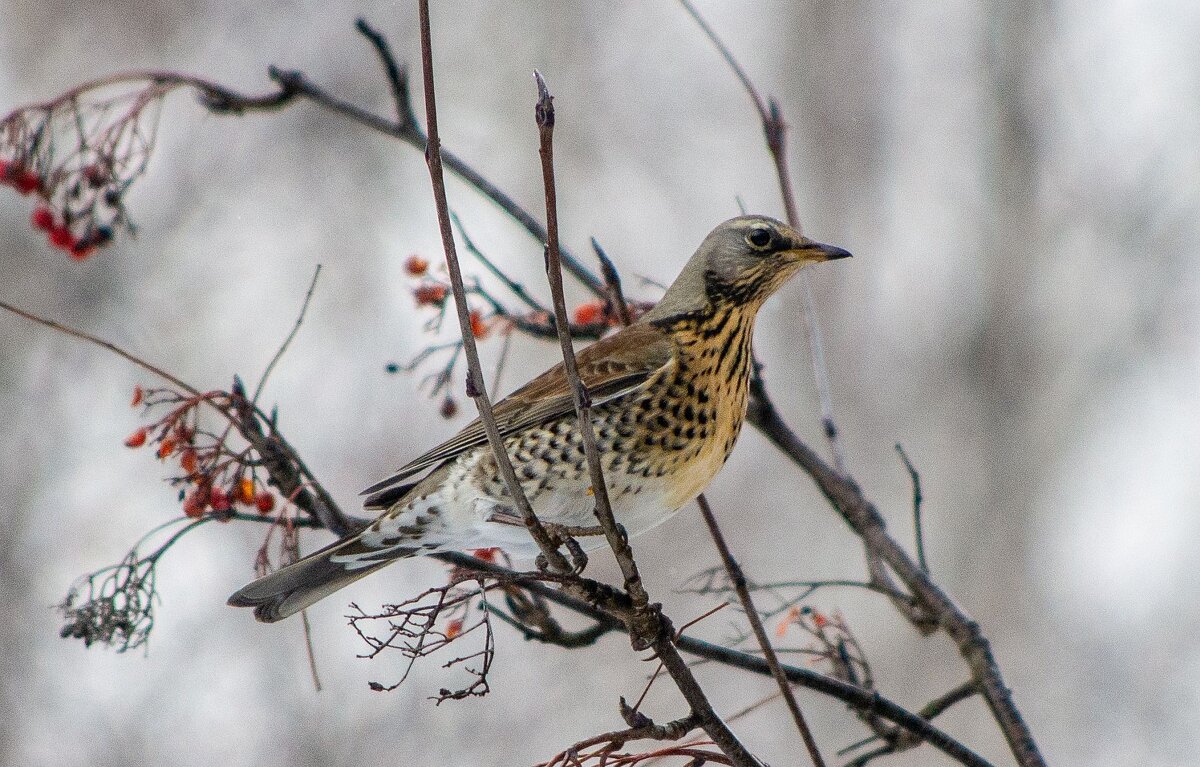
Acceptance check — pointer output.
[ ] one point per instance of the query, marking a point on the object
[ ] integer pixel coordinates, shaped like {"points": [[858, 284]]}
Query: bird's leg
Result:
{"points": [[564, 535], [579, 560]]}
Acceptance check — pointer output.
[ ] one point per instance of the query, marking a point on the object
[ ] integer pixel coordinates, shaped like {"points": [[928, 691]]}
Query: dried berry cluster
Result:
{"points": [[431, 291], [79, 155]]}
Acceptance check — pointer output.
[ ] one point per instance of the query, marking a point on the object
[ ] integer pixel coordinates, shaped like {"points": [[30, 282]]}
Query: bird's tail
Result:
{"points": [[291, 589]]}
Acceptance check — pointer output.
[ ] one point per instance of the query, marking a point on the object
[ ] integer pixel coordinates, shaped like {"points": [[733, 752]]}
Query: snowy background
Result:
{"points": [[1018, 182]]}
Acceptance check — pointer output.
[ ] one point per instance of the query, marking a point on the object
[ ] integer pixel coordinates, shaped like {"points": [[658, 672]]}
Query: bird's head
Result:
{"points": [[744, 260]]}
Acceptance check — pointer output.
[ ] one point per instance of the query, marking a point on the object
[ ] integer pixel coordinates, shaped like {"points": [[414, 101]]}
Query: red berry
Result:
{"points": [[43, 218], [487, 555], [416, 266], [137, 439], [27, 182], [589, 313], [479, 328], [61, 237], [138, 394], [166, 447], [264, 502], [219, 499], [449, 408], [454, 628]]}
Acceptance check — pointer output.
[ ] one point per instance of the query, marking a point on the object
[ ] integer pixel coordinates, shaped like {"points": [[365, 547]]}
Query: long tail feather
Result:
{"points": [[293, 588]]}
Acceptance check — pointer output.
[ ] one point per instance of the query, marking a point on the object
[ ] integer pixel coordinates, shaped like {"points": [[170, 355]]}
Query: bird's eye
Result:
{"points": [[759, 237]]}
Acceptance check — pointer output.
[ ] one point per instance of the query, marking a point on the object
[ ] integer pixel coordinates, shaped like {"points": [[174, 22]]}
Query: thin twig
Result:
{"points": [[612, 279], [865, 520], [647, 626], [476, 388], [308, 647], [918, 531], [933, 708], [738, 579], [138, 361], [517, 288], [775, 131], [397, 76], [501, 361], [283, 347], [295, 83], [602, 507]]}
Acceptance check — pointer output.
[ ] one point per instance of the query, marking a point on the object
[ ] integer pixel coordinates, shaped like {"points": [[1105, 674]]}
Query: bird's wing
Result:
{"points": [[608, 368]]}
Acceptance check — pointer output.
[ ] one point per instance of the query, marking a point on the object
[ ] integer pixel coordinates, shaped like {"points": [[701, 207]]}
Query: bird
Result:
{"points": [[669, 396]]}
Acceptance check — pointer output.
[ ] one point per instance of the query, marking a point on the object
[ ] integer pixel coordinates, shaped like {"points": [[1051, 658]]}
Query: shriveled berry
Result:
{"points": [[219, 499], [27, 182], [187, 460], [95, 176], [416, 266], [81, 250], [61, 237], [430, 294], [449, 408], [195, 502], [138, 395], [166, 447], [137, 439]]}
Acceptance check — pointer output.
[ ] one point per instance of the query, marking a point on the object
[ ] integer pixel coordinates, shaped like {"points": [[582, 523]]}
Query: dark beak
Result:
{"points": [[829, 252]]}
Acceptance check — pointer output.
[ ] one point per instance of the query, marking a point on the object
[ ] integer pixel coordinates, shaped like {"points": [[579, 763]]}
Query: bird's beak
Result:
{"points": [[818, 251]]}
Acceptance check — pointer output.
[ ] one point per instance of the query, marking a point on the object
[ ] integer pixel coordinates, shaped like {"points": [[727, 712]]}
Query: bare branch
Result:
{"points": [[738, 579], [476, 388], [612, 279], [397, 76], [617, 539], [918, 532], [137, 361], [647, 626], [775, 132], [283, 347], [517, 289]]}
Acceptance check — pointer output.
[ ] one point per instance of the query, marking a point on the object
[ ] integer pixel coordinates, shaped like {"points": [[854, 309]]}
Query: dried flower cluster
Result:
{"points": [[113, 606]]}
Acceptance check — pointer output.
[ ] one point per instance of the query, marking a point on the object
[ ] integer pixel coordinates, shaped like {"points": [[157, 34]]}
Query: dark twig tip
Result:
{"points": [[544, 110]]}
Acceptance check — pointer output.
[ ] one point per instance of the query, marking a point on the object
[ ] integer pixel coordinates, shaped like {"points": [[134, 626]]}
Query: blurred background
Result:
{"points": [[1017, 180]]}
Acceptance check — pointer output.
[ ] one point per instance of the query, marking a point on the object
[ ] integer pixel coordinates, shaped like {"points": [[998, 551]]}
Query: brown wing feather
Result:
{"points": [[607, 367]]}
